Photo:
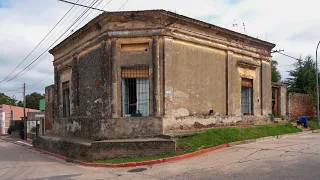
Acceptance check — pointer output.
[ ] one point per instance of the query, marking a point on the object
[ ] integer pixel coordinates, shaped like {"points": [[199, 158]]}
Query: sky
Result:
{"points": [[291, 25]]}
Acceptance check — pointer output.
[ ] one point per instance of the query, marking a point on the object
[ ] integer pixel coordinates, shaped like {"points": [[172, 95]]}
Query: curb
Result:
{"points": [[158, 161], [133, 164], [266, 138]]}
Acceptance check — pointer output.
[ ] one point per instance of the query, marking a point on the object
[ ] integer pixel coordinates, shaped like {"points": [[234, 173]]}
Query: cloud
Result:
{"points": [[292, 25]]}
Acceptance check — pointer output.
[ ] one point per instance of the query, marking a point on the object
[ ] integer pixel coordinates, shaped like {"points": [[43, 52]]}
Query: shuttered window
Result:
{"points": [[135, 72], [246, 83], [135, 91]]}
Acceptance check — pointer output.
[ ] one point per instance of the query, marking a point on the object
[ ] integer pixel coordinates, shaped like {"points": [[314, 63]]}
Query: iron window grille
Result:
{"points": [[135, 91]]}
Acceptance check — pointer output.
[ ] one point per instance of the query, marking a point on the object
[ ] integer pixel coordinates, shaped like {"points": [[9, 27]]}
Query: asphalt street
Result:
{"points": [[293, 157]]}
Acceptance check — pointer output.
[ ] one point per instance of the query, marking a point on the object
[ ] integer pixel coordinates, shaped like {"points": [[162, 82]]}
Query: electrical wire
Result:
{"points": [[75, 28], [33, 84], [17, 75], [289, 56], [37, 44], [88, 8], [123, 5]]}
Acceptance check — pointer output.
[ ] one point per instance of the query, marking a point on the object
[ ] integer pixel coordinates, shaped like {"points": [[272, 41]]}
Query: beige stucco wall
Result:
{"points": [[194, 68], [266, 88], [244, 72], [198, 76]]}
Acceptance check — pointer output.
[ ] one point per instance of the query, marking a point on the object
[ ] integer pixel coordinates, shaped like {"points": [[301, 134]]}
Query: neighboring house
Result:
{"points": [[8, 112], [35, 118], [279, 99], [145, 73]]}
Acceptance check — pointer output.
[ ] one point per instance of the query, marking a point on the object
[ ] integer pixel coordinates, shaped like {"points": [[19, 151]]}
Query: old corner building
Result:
{"points": [[144, 73]]}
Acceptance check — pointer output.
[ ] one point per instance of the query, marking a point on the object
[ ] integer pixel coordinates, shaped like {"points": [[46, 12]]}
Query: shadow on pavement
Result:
{"points": [[61, 177]]}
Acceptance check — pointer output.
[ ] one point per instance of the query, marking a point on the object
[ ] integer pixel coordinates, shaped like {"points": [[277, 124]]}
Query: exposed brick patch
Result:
{"points": [[301, 105]]}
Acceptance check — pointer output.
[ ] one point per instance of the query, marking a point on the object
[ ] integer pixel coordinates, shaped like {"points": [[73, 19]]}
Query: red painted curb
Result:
{"points": [[49, 153], [196, 153], [133, 164]]}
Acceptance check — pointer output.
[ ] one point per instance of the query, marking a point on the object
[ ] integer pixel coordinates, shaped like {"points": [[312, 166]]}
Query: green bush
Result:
{"points": [[33, 129]]}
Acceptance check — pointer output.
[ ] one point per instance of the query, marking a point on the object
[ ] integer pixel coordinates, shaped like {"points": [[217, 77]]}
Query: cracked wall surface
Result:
{"points": [[195, 73]]}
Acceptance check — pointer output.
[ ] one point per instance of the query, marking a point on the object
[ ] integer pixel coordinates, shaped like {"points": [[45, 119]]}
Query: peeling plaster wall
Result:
{"points": [[199, 83], [193, 69], [131, 60], [95, 80], [244, 72], [195, 82], [266, 88], [199, 78]]}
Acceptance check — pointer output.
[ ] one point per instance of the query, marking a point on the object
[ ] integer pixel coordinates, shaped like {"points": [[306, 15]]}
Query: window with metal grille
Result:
{"points": [[66, 98], [246, 97], [135, 91]]}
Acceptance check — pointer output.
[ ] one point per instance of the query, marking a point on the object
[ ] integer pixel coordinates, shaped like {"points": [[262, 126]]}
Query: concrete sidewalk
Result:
{"points": [[17, 141], [290, 157]]}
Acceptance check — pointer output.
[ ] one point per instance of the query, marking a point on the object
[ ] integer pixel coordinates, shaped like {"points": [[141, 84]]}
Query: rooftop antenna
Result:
{"points": [[233, 23], [244, 28]]}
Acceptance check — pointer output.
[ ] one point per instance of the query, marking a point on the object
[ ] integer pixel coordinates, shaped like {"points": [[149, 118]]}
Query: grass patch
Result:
{"points": [[214, 137], [313, 124]]}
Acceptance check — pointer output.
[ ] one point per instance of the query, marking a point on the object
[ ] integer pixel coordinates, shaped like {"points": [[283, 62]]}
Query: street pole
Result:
{"points": [[317, 84], [24, 111]]}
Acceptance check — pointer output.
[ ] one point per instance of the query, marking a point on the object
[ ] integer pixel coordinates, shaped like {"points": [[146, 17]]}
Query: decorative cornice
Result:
{"points": [[247, 65], [162, 18]]}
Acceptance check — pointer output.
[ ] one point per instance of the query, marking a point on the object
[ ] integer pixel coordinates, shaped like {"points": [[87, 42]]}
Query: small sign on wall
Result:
{"points": [[39, 115], [168, 93]]}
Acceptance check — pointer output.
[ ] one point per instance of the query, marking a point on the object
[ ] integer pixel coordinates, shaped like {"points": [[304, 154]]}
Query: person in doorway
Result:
{"points": [[303, 120]]}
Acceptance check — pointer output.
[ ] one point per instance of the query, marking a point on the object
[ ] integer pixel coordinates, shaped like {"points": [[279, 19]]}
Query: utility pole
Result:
{"points": [[317, 83], [24, 111]]}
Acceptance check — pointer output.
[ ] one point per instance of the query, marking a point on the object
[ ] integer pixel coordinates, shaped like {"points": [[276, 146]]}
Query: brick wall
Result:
{"points": [[49, 96], [301, 105]]}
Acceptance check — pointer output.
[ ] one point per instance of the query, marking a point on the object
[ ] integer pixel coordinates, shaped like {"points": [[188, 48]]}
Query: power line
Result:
{"points": [[88, 7], [13, 92], [28, 85], [42, 58], [10, 90], [17, 75], [40, 80], [80, 5], [23, 71], [38, 44], [289, 56], [87, 16], [123, 5], [58, 34], [69, 16]]}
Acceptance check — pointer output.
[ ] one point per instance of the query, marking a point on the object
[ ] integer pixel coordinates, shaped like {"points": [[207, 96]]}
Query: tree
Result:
{"points": [[4, 99], [20, 104], [275, 73], [32, 100], [303, 77]]}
